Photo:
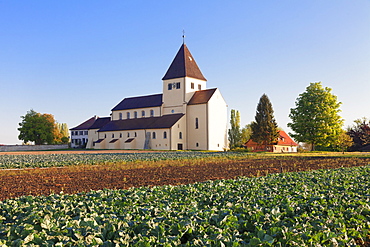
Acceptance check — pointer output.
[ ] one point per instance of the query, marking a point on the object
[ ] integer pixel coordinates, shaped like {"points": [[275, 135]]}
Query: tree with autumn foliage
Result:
{"points": [[360, 133], [264, 128], [39, 128]]}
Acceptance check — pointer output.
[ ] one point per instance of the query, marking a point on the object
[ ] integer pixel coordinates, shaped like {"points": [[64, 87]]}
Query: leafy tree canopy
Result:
{"points": [[39, 128], [360, 133], [315, 119]]}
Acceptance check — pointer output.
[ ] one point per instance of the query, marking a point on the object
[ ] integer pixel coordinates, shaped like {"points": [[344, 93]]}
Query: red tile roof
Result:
{"points": [[183, 65], [284, 140]]}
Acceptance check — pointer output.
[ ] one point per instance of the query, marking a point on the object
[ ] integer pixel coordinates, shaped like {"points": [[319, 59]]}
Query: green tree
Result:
{"points": [[264, 128], [344, 141], [234, 132], [37, 127], [246, 133], [315, 119]]}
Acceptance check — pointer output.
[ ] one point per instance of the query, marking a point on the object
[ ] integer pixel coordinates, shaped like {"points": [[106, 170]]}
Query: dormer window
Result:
{"points": [[199, 87], [192, 85]]}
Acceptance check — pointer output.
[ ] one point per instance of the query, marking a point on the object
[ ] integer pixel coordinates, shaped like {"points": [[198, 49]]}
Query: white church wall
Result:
{"points": [[177, 138], [217, 118], [192, 85], [197, 137], [173, 97]]}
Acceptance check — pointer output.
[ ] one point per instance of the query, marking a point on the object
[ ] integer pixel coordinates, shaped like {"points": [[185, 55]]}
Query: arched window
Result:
{"points": [[112, 135], [128, 134], [120, 116], [120, 135], [142, 113], [165, 135], [128, 115], [154, 136], [180, 135], [196, 123], [135, 114], [152, 113], [135, 134]]}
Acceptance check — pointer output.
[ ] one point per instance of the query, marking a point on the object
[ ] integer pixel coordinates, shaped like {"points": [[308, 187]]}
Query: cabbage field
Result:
{"points": [[9, 161], [313, 208]]}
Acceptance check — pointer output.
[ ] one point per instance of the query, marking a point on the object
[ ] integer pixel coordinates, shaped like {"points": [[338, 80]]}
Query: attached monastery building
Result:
{"points": [[186, 115]]}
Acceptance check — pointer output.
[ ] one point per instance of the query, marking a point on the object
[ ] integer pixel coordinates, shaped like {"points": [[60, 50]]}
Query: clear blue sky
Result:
{"points": [[77, 59]]}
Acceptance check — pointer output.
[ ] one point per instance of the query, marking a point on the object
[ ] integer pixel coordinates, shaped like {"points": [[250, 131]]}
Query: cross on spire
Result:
{"points": [[183, 36]]}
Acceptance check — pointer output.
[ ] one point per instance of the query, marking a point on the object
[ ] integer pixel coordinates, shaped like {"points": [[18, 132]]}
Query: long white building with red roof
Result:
{"points": [[186, 115]]}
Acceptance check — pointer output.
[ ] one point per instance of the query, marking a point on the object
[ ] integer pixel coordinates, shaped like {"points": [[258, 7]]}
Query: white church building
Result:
{"points": [[186, 115]]}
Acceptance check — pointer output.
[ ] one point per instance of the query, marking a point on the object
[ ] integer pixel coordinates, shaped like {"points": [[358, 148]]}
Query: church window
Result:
{"points": [[105, 135], [112, 135], [197, 144], [196, 123], [135, 134], [128, 115], [120, 116], [86, 132], [165, 135], [199, 87], [152, 113], [192, 85], [154, 136], [169, 86], [172, 111], [135, 114], [180, 135], [81, 132], [120, 135], [128, 134], [142, 113], [177, 85]]}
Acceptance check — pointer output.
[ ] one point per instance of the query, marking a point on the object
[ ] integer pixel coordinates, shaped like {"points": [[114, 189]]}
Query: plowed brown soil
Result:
{"points": [[15, 183]]}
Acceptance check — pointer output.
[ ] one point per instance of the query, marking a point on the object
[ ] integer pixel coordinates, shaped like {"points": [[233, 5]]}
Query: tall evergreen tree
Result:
{"points": [[264, 128], [234, 132], [315, 119]]}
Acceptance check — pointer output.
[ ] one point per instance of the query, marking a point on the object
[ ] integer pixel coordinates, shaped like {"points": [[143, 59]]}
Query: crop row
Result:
{"points": [[58, 160], [316, 208]]}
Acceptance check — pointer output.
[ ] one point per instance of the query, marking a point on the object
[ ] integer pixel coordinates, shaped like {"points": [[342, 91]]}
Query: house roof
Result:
{"points": [[166, 121], [139, 102], [183, 65], [85, 125], [100, 122], [284, 140], [201, 97]]}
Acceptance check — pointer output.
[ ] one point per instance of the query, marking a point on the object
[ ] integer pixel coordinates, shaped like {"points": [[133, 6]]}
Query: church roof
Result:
{"points": [[85, 125], [163, 122], [100, 122], [183, 65], [201, 97], [139, 102]]}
